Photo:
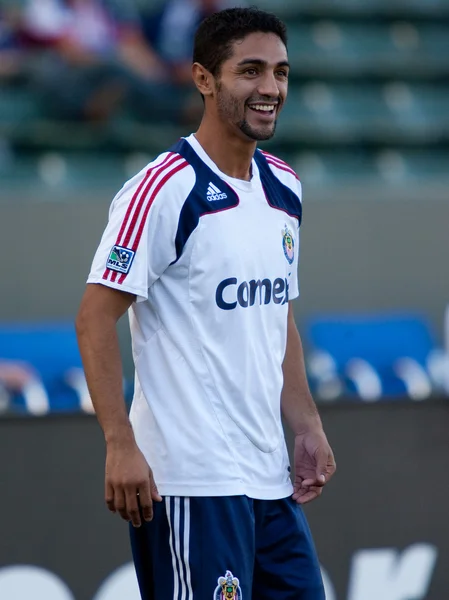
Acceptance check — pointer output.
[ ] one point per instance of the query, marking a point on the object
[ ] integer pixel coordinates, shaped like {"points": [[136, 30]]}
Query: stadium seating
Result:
{"points": [[49, 352], [349, 8], [47, 357], [342, 113], [337, 49], [370, 357], [369, 86]]}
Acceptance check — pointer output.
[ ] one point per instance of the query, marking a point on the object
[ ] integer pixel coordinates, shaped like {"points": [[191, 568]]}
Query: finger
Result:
{"points": [[132, 506], [297, 493], [145, 502], [322, 462], [298, 483], [306, 489], [309, 497], [331, 468], [311, 494], [109, 497], [120, 502], [154, 491], [318, 482]]}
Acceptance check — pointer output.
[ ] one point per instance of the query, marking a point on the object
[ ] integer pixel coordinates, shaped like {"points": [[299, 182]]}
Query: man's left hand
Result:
{"points": [[314, 465]]}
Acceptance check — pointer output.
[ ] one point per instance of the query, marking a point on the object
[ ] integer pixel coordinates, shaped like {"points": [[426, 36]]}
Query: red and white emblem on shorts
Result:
{"points": [[228, 588]]}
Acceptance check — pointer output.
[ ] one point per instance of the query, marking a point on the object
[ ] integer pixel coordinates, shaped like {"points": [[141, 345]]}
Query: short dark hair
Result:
{"points": [[216, 34]]}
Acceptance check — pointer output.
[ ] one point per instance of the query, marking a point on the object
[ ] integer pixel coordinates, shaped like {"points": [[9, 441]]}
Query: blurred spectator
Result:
{"points": [[95, 59], [10, 53], [171, 29], [90, 61], [20, 379], [15, 376]]}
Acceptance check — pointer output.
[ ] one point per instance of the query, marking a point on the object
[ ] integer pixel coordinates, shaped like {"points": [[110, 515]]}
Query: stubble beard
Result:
{"points": [[228, 108]]}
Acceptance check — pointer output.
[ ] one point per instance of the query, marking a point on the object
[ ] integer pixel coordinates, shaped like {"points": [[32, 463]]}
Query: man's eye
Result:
{"points": [[251, 71], [283, 73]]}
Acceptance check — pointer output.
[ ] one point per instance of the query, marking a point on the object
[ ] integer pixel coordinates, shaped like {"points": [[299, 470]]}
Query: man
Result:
{"points": [[202, 248]]}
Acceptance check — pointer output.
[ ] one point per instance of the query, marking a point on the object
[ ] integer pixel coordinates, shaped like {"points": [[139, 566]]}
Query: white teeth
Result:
{"points": [[263, 107]]}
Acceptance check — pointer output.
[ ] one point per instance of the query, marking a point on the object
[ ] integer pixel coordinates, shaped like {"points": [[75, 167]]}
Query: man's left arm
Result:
{"points": [[314, 462]]}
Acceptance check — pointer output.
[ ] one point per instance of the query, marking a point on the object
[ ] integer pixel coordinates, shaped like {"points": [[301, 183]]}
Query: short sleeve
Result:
{"points": [[138, 244]]}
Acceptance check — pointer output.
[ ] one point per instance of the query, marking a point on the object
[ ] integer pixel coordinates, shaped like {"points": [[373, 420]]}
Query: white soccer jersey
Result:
{"points": [[213, 262]]}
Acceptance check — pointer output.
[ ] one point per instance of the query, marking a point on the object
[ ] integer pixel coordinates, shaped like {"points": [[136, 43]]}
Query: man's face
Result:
{"points": [[252, 86]]}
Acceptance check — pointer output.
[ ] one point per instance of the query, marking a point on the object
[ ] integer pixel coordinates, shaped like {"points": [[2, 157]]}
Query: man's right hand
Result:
{"points": [[129, 485]]}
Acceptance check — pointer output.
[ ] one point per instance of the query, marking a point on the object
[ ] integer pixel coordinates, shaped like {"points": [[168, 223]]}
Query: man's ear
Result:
{"points": [[203, 79]]}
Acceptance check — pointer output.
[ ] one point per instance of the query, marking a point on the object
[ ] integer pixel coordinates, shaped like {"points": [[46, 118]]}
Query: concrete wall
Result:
{"points": [[354, 255], [376, 256]]}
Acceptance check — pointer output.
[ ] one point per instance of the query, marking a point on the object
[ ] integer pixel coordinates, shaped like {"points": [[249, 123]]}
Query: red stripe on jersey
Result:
{"points": [[108, 272], [275, 158], [282, 167], [277, 162], [175, 158], [136, 195], [154, 175], [155, 172], [153, 196]]}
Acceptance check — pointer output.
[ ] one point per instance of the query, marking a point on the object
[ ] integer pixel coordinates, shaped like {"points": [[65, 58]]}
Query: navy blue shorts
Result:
{"points": [[226, 548]]}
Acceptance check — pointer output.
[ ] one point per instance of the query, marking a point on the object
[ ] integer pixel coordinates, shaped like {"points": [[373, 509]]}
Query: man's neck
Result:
{"points": [[231, 154]]}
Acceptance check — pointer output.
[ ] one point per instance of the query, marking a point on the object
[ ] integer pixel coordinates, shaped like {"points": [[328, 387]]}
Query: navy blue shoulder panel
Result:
{"points": [[210, 194], [278, 195]]}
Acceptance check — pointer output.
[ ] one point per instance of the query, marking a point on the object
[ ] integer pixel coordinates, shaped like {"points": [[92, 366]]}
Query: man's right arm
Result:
{"points": [[128, 478]]}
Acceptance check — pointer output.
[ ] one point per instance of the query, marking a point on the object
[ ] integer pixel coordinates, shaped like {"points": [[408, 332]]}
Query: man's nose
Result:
{"points": [[268, 86]]}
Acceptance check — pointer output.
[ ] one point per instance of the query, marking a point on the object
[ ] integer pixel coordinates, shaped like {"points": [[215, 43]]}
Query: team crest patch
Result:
{"points": [[120, 259], [288, 244], [228, 588]]}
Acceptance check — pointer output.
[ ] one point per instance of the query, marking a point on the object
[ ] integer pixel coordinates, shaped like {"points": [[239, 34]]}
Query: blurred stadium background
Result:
{"points": [[90, 91]]}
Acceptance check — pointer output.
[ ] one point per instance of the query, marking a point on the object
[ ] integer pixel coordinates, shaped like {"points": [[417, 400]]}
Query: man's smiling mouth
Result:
{"points": [[263, 108]]}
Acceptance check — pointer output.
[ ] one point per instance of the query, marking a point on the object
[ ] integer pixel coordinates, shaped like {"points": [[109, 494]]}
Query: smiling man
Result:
{"points": [[202, 249]]}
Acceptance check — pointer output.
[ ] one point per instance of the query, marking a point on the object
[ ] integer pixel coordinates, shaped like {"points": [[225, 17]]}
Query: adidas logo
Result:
{"points": [[214, 194]]}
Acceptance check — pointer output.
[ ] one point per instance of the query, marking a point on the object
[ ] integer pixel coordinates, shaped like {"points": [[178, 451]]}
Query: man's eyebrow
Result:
{"points": [[262, 63]]}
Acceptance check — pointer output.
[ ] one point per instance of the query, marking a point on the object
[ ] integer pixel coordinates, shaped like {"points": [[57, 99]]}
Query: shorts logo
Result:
{"points": [[120, 259], [228, 588], [288, 244]]}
